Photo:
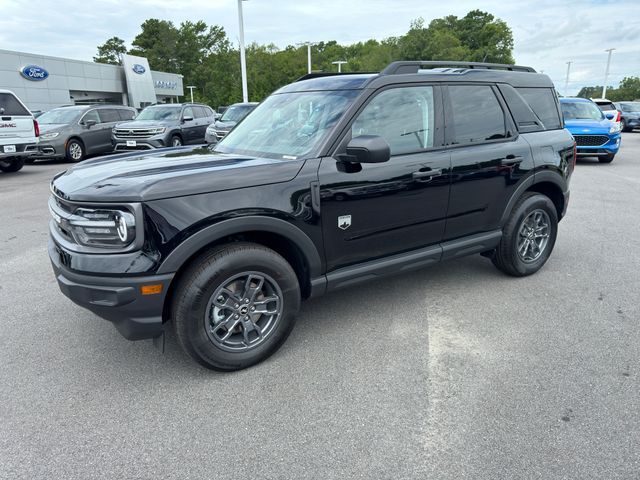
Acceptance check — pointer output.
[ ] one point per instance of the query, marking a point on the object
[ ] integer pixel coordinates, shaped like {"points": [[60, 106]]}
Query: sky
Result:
{"points": [[547, 33]]}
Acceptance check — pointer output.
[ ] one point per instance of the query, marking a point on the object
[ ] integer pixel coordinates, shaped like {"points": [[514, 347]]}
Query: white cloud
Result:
{"points": [[547, 33]]}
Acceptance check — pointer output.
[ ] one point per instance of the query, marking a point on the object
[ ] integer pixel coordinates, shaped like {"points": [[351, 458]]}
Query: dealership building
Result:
{"points": [[44, 82]]}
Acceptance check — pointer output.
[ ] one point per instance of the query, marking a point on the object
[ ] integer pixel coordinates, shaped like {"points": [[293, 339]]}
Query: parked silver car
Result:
{"points": [[229, 119], [76, 131], [168, 125]]}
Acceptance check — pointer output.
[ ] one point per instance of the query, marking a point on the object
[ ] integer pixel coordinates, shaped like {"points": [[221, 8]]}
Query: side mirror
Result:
{"points": [[367, 149], [186, 119], [90, 123], [217, 116], [610, 116]]}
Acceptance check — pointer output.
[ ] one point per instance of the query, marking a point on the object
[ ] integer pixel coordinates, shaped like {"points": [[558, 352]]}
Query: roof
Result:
{"points": [[574, 100]]}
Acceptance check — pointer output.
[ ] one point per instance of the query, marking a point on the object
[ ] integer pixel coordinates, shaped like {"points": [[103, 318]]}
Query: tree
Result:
{"points": [[158, 43], [111, 51]]}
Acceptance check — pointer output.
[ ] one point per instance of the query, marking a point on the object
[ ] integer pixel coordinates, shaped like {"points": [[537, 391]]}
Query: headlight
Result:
{"points": [[211, 128], [614, 128], [103, 228], [49, 136], [158, 130]]}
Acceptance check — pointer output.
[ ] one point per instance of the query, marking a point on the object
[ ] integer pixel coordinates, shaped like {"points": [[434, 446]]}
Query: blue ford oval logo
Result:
{"points": [[33, 72], [139, 69]]}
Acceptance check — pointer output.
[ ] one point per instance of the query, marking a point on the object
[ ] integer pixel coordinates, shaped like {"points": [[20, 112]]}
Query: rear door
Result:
{"points": [[16, 123], [189, 125], [91, 136], [201, 123], [488, 158]]}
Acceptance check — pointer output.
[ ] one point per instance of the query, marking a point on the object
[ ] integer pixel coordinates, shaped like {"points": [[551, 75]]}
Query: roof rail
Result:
{"points": [[328, 74], [400, 67]]}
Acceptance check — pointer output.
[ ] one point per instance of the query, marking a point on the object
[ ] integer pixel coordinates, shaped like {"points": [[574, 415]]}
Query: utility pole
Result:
{"points": [[243, 61], [606, 72], [566, 81], [308, 44], [339, 63], [191, 87]]}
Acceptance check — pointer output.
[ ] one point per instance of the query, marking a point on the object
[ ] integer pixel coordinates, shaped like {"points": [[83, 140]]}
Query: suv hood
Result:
{"points": [[588, 127], [172, 172], [147, 123], [224, 125]]}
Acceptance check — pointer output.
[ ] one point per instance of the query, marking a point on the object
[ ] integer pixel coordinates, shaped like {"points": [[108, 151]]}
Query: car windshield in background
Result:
{"points": [[288, 125], [159, 113], [237, 113], [9, 105], [581, 111], [630, 107], [60, 116]]}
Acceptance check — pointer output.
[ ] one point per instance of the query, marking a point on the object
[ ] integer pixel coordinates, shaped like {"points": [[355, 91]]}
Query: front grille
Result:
{"points": [[591, 140], [134, 132]]}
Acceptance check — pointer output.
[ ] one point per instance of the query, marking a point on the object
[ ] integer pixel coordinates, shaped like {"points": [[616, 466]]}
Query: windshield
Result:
{"points": [[288, 125], [630, 107], [159, 113], [60, 115], [237, 113], [581, 111]]}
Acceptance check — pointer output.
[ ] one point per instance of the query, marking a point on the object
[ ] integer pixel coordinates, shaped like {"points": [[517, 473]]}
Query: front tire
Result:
{"points": [[75, 151], [608, 159], [236, 306], [11, 165], [176, 141], [528, 237]]}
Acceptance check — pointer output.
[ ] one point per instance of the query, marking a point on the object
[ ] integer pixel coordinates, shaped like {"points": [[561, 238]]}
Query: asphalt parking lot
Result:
{"points": [[452, 372]]}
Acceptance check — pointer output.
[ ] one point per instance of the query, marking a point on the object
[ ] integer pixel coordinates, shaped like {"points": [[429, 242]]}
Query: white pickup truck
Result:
{"points": [[18, 132]]}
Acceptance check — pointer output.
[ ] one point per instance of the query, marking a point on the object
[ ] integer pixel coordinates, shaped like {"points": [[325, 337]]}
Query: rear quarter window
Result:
{"points": [[544, 104], [10, 106]]}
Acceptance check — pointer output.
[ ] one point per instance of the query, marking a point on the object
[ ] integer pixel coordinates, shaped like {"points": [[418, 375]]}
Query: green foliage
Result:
{"points": [[206, 58], [629, 89], [110, 51]]}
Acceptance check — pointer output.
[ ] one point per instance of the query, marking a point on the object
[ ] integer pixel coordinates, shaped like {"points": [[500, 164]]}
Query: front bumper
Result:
{"points": [[611, 147], [132, 144], [116, 299]]}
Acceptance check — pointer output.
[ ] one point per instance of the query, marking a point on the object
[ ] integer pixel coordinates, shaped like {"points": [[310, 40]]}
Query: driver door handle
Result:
{"points": [[426, 174], [512, 160]]}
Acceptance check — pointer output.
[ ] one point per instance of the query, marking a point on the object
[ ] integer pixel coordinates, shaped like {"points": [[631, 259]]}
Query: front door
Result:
{"points": [[374, 210]]}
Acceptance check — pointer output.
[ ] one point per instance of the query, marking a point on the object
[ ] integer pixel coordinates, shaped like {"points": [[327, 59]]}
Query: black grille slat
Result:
{"points": [[134, 132], [590, 140]]}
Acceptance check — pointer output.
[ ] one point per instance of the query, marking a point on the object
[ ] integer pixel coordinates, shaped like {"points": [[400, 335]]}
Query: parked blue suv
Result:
{"points": [[595, 134]]}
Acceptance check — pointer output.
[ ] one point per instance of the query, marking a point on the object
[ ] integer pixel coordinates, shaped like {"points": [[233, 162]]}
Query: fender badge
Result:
{"points": [[344, 222]]}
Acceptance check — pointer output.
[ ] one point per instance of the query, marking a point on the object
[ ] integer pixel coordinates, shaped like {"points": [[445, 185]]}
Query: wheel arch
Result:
{"points": [[281, 236], [547, 183]]}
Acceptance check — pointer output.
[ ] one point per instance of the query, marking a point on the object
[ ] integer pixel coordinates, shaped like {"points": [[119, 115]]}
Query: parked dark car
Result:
{"points": [[73, 132], [229, 119], [630, 112], [225, 243], [169, 125]]}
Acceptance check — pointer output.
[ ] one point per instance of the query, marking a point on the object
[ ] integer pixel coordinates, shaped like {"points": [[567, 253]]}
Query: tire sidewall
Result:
{"points": [[206, 280], [525, 208], [174, 138]]}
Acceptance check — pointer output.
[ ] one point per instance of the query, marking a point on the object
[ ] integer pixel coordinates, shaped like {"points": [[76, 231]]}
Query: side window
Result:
{"points": [[404, 117], [543, 103], [126, 114], [209, 111], [90, 115], [188, 112], [108, 115], [9, 105], [201, 112], [477, 114]]}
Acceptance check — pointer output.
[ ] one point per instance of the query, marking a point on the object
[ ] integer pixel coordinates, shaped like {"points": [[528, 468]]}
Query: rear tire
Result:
{"points": [[11, 165], [236, 306], [608, 159], [528, 237]]}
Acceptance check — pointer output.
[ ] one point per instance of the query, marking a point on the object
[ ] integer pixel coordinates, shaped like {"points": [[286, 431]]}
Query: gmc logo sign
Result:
{"points": [[8, 125]]}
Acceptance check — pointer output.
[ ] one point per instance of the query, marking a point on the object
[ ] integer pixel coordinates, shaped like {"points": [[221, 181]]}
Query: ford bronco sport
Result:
{"points": [[332, 180]]}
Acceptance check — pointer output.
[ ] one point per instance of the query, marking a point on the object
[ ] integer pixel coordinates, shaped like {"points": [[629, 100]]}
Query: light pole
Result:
{"points": [[566, 81], [191, 87], [243, 61], [606, 72], [308, 44], [339, 63]]}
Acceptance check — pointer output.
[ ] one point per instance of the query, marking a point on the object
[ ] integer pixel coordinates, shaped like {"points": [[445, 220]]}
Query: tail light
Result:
{"points": [[36, 127], [619, 116]]}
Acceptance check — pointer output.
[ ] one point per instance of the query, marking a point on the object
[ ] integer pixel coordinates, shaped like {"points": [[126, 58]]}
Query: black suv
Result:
{"points": [[330, 181]]}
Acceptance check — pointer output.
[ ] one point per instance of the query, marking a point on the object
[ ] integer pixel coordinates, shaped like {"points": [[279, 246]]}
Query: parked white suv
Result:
{"points": [[607, 107], [18, 132]]}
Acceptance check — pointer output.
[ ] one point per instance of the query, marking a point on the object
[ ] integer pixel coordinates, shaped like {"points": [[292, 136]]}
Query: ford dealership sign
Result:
{"points": [[35, 73], [139, 69]]}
